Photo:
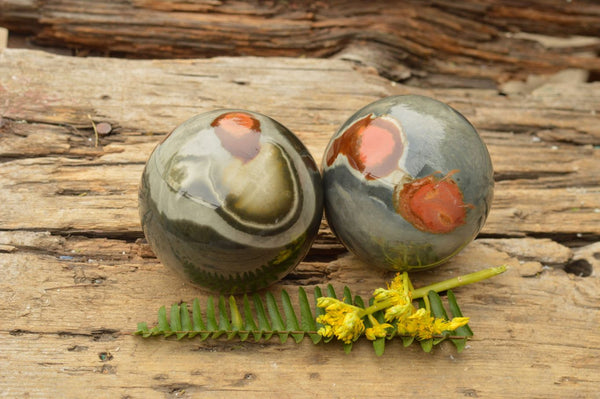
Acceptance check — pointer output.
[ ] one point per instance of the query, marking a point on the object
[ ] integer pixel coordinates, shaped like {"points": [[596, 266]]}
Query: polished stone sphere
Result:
{"points": [[232, 200], [408, 183]]}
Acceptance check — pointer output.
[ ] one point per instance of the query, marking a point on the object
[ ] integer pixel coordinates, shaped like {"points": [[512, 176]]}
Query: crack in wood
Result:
{"points": [[571, 240], [102, 334], [178, 389], [528, 175]]}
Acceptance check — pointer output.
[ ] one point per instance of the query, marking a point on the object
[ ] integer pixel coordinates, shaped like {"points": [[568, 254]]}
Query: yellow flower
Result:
{"points": [[423, 326], [399, 312], [413, 324], [377, 330], [325, 331], [451, 325], [325, 301], [399, 283], [340, 319], [351, 328], [396, 299], [381, 295]]}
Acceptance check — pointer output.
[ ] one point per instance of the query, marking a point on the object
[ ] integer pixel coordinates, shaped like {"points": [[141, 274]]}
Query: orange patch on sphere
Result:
{"points": [[239, 134], [373, 146], [432, 204]]}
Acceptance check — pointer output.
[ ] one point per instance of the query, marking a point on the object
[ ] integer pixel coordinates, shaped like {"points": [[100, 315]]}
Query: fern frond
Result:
{"points": [[260, 319]]}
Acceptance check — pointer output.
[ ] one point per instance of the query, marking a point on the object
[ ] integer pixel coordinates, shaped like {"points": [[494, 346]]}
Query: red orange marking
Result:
{"points": [[372, 145], [239, 133], [432, 204]]}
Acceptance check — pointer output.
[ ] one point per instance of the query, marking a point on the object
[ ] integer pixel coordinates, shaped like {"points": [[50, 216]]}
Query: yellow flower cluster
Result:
{"points": [[378, 330], [423, 326], [345, 321], [396, 300], [340, 319]]}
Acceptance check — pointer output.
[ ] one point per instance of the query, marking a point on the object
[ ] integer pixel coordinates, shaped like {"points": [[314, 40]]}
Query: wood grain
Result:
{"points": [[545, 185], [77, 275], [474, 43]]}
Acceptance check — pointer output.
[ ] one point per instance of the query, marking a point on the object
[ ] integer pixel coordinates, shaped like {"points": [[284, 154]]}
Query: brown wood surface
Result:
{"points": [[76, 275], [475, 43]]}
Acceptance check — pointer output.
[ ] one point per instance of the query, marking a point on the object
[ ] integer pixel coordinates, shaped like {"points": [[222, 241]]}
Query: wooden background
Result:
{"points": [[76, 274]]}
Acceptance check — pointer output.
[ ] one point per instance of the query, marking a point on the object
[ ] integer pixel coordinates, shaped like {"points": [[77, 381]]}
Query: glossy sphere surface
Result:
{"points": [[232, 200], [408, 183]]}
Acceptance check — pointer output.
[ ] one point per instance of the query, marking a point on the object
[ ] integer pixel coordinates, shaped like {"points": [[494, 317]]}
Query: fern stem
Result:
{"points": [[226, 333], [459, 281]]}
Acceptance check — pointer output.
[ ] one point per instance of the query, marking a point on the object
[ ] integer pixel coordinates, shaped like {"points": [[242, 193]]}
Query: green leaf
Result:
{"points": [[437, 307], [379, 343], [263, 321], [175, 320], [379, 346], [276, 320], [249, 324], [456, 312], [348, 299], [186, 322], [348, 296], [307, 319], [237, 324], [291, 321], [142, 329], [211, 318], [197, 323], [438, 311], [348, 347], [163, 324], [358, 301], [224, 325], [427, 344], [319, 312], [331, 291], [407, 340], [459, 343]]}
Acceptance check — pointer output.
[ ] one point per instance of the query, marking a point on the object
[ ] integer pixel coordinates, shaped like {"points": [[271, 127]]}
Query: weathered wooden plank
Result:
{"points": [[434, 43], [544, 186], [66, 315], [77, 277]]}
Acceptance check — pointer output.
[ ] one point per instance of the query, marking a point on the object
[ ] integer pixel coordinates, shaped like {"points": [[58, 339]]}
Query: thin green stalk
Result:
{"points": [[458, 281], [375, 308], [437, 287], [427, 304]]}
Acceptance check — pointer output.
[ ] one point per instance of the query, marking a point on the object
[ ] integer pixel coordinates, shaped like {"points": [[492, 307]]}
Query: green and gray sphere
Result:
{"points": [[232, 200], [408, 183]]}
